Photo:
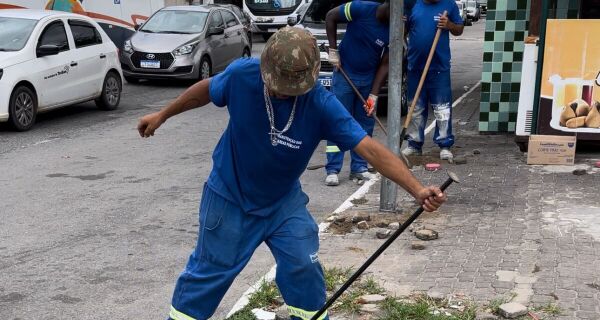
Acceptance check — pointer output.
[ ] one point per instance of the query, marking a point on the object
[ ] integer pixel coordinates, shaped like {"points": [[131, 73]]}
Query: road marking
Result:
{"points": [[270, 276], [454, 104], [45, 141]]}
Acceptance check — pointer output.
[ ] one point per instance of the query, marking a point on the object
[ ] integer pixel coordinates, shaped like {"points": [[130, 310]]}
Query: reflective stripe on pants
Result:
{"points": [[303, 314]]}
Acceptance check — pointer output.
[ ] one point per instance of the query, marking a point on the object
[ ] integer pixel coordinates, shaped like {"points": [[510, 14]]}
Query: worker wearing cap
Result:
{"points": [[253, 195], [425, 18], [363, 54]]}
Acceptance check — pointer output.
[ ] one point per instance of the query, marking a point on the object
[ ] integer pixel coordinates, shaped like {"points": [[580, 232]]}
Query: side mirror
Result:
{"points": [[47, 50], [215, 31], [291, 21]]}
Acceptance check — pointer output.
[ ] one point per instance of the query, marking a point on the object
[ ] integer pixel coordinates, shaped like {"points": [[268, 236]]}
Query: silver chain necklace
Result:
{"points": [[274, 133]]}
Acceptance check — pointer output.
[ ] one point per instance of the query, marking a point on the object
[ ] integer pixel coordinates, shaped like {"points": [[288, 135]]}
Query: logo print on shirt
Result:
{"points": [[287, 141], [379, 42]]}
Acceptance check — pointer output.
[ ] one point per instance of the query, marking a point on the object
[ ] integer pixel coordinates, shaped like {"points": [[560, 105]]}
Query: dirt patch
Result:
{"points": [[344, 224], [340, 227], [425, 159], [359, 201]]}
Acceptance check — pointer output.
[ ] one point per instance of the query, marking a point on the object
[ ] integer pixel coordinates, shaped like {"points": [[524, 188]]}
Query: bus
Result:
{"points": [[267, 16]]}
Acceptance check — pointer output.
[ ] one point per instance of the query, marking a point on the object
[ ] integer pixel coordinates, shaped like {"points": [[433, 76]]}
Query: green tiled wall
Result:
{"points": [[505, 30]]}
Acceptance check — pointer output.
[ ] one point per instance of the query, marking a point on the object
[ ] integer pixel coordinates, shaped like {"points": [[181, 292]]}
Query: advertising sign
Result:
{"points": [[570, 95]]}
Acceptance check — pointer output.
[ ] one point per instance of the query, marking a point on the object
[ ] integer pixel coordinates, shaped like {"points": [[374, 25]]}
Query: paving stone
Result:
{"points": [[512, 310], [363, 225], [460, 160], [353, 236], [426, 234], [394, 226], [485, 316], [361, 216], [507, 276], [369, 308], [382, 233], [417, 245], [436, 295], [371, 299]]}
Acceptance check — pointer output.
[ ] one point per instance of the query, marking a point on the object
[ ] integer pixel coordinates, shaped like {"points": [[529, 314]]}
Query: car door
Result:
{"points": [[53, 74], [89, 56], [233, 36], [217, 42]]}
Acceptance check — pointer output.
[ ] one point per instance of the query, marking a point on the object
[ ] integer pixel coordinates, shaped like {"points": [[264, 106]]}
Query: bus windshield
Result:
{"points": [[272, 5]]}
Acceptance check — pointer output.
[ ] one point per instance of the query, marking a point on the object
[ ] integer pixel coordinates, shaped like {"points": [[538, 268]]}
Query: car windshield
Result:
{"points": [[471, 4], [14, 33], [318, 10], [272, 4], [176, 21]]}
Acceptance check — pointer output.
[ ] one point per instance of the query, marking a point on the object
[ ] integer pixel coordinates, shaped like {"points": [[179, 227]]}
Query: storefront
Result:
{"points": [[518, 94]]}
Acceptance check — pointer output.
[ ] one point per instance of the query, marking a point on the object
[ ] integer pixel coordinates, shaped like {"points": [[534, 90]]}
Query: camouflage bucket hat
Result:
{"points": [[290, 62]]}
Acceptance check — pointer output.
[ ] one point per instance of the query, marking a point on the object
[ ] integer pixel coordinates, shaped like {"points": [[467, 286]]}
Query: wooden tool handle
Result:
{"points": [[362, 99]]}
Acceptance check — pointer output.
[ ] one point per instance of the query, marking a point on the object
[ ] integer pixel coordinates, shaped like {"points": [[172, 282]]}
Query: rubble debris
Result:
{"points": [[512, 310], [426, 234]]}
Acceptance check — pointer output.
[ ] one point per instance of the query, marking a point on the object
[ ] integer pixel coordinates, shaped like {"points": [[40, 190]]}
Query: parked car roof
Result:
{"points": [[34, 14], [200, 8]]}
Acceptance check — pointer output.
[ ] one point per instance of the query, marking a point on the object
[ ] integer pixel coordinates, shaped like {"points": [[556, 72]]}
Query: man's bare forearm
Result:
{"points": [[331, 20], [388, 164], [381, 75], [194, 97], [455, 29]]}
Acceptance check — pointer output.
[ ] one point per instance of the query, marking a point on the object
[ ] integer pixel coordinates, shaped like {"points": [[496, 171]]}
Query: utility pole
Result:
{"points": [[389, 190]]}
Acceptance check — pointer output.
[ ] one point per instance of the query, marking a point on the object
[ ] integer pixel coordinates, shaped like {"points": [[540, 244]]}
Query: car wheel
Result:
{"points": [[469, 22], [132, 80], [111, 92], [266, 36], [246, 53], [22, 108], [205, 68]]}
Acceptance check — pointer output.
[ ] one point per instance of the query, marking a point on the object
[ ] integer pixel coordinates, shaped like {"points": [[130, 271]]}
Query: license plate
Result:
{"points": [[150, 64], [326, 82], [273, 30]]}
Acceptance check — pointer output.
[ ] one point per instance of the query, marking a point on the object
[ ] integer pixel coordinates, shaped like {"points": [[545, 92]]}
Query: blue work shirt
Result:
{"points": [[365, 41], [422, 25], [247, 169], [408, 5]]}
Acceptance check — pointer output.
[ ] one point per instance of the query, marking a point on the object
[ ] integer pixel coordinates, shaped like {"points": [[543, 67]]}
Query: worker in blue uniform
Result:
{"points": [[363, 54], [278, 116], [425, 18]]}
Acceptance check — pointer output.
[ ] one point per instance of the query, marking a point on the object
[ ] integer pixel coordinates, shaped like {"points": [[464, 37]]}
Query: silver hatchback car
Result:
{"points": [[184, 42]]}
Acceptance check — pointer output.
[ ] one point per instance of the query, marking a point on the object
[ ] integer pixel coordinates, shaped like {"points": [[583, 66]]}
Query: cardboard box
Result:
{"points": [[551, 150]]}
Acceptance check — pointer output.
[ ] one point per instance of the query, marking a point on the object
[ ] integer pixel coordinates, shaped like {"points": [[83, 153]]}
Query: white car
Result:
{"points": [[50, 59]]}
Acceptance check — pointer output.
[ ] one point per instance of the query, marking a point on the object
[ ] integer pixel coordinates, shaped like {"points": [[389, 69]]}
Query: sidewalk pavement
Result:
{"points": [[509, 229]]}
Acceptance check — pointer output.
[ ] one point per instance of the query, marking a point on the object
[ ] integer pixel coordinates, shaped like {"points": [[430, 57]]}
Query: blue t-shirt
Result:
{"points": [[422, 25], [408, 5], [247, 169], [365, 41]]}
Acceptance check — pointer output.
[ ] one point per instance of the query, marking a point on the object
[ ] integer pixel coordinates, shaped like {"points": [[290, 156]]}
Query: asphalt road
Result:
{"points": [[97, 223]]}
